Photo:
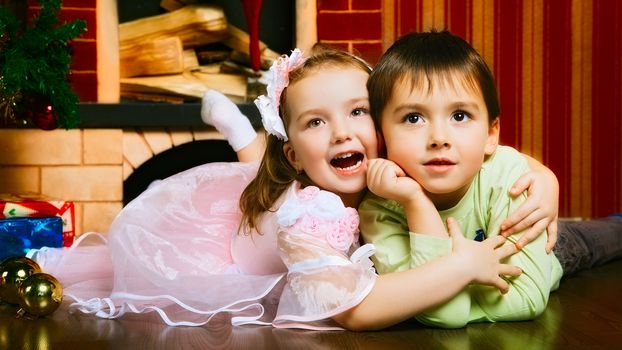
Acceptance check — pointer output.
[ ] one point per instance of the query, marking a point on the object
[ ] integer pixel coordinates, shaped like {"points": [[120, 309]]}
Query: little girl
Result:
{"points": [[295, 260]]}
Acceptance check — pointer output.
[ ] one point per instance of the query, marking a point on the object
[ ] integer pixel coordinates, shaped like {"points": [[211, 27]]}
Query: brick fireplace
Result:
{"points": [[89, 165], [550, 82]]}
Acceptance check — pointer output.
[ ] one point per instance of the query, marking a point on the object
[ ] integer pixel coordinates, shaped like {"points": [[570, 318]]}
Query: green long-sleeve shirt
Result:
{"points": [[480, 212]]}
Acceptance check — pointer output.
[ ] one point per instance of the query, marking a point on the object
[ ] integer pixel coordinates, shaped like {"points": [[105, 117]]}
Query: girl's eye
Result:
{"points": [[460, 116], [413, 118], [361, 111], [314, 123]]}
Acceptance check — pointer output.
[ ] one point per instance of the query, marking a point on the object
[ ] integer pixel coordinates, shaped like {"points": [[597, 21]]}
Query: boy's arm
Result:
{"points": [[528, 293]]}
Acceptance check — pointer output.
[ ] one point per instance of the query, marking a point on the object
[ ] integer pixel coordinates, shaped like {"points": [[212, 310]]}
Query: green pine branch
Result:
{"points": [[37, 59]]}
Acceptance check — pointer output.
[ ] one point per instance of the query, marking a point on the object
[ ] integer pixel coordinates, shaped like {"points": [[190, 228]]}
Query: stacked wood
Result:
{"points": [[195, 24], [172, 5], [178, 56], [239, 41], [160, 56], [189, 85]]}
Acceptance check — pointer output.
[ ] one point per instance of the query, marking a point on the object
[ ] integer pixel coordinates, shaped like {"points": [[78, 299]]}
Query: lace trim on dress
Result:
{"points": [[105, 307]]}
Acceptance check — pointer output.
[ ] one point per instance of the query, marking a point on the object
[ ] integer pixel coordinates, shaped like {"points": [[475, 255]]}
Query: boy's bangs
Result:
{"points": [[452, 78]]}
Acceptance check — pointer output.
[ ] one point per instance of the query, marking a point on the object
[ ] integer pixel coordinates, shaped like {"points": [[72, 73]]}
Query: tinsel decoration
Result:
{"points": [[35, 61]]}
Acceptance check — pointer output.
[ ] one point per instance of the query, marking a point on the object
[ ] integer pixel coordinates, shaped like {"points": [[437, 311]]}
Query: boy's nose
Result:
{"points": [[438, 138]]}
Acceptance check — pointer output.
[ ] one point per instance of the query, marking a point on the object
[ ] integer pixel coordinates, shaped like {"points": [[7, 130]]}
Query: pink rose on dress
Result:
{"points": [[308, 193], [350, 221], [311, 225], [339, 238]]}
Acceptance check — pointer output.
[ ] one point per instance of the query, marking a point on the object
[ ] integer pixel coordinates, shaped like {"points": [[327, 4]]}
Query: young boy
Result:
{"points": [[433, 98]]}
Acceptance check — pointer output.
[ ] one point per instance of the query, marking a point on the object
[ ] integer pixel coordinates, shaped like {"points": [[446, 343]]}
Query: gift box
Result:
{"points": [[20, 235], [36, 205]]}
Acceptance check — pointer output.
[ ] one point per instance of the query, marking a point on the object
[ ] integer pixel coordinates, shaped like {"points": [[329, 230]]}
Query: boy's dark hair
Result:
{"points": [[425, 56]]}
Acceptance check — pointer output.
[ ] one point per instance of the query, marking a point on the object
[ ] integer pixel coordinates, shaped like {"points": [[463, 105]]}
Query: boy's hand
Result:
{"points": [[538, 212], [386, 179], [482, 259]]}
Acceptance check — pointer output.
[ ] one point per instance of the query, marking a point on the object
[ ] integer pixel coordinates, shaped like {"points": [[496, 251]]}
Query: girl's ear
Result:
{"points": [[290, 154], [493, 137], [382, 148]]}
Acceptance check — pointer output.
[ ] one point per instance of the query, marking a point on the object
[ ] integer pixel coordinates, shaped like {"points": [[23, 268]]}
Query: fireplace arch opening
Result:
{"points": [[173, 161]]}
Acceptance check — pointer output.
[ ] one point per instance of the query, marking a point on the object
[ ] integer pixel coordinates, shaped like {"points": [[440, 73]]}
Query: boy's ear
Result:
{"points": [[290, 154], [493, 137]]}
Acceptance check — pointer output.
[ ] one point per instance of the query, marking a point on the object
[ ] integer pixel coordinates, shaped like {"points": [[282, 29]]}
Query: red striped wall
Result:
{"points": [[558, 65]]}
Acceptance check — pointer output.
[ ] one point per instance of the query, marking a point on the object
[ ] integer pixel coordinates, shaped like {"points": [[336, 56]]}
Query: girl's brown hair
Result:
{"points": [[275, 173]]}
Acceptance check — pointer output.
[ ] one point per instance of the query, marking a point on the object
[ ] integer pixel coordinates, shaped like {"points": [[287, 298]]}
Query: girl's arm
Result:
{"points": [[398, 296], [387, 180], [539, 211]]}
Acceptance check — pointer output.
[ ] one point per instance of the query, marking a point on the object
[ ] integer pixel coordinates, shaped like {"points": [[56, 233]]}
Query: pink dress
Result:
{"points": [[176, 250]]}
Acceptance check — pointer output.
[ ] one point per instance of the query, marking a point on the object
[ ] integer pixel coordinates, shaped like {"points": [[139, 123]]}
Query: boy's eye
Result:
{"points": [[413, 118], [460, 116]]}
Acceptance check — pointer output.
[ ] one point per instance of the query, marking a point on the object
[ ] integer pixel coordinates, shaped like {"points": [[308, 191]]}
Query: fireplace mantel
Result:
{"points": [[135, 114]]}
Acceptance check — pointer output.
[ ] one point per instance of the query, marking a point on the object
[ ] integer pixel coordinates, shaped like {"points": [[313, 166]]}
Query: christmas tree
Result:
{"points": [[34, 68]]}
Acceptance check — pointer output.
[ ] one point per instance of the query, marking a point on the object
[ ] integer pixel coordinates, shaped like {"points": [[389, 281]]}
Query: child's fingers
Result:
{"points": [[501, 284], [522, 184], [520, 219], [532, 233], [529, 221], [454, 229], [506, 250], [509, 270], [551, 231], [495, 241]]}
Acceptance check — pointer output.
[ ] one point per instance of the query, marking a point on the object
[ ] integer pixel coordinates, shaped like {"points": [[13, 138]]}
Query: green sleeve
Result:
{"points": [[454, 313], [529, 292], [383, 224]]}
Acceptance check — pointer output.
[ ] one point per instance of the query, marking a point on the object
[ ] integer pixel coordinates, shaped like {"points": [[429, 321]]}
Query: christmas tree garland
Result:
{"points": [[34, 65]]}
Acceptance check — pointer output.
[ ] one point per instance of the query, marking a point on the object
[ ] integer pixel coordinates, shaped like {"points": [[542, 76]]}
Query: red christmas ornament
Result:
{"points": [[39, 110]]}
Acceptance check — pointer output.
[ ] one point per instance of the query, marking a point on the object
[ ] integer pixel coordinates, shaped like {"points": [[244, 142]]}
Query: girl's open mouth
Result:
{"points": [[347, 161]]}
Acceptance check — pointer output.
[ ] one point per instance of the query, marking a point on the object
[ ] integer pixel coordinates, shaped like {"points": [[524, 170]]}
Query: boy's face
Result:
{"points": [[331, 133], [439, 136]]}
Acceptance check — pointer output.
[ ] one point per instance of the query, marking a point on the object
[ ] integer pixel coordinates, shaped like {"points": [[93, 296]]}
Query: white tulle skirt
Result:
{"points": [[169, 252]]}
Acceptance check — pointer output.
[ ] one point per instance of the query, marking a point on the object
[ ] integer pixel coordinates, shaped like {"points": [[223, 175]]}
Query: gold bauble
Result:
{"points": [[40, 294], [13, 271]]}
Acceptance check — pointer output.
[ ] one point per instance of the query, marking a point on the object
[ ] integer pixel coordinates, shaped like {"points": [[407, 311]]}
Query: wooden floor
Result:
{"points": [[586, 313]]}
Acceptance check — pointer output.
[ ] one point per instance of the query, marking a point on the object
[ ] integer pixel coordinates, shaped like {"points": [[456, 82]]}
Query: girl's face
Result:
{"points": [[331, 134], [439, 135]]}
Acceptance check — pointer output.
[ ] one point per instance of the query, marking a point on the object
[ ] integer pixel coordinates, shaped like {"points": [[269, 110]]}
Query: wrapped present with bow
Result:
{"points": [[39, 206]]}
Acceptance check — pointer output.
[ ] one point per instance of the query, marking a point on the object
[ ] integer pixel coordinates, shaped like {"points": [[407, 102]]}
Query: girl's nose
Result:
{"points": [[341, 133]]}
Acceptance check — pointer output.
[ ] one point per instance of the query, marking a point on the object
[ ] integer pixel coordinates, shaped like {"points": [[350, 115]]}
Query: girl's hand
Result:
{"points": [[386, 179], [482, 259], [539, 211]]}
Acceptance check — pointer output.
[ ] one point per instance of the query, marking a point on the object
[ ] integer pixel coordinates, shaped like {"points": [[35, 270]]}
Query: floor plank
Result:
{"points": [[585, 313]]}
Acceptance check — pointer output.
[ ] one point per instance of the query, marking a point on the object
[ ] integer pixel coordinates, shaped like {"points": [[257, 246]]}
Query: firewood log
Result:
{"points": [[195, 24], [155, 57], [190, 84]]}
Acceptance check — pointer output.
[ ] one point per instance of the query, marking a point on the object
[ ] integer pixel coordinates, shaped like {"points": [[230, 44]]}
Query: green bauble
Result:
{"points": [[13, 271]]}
